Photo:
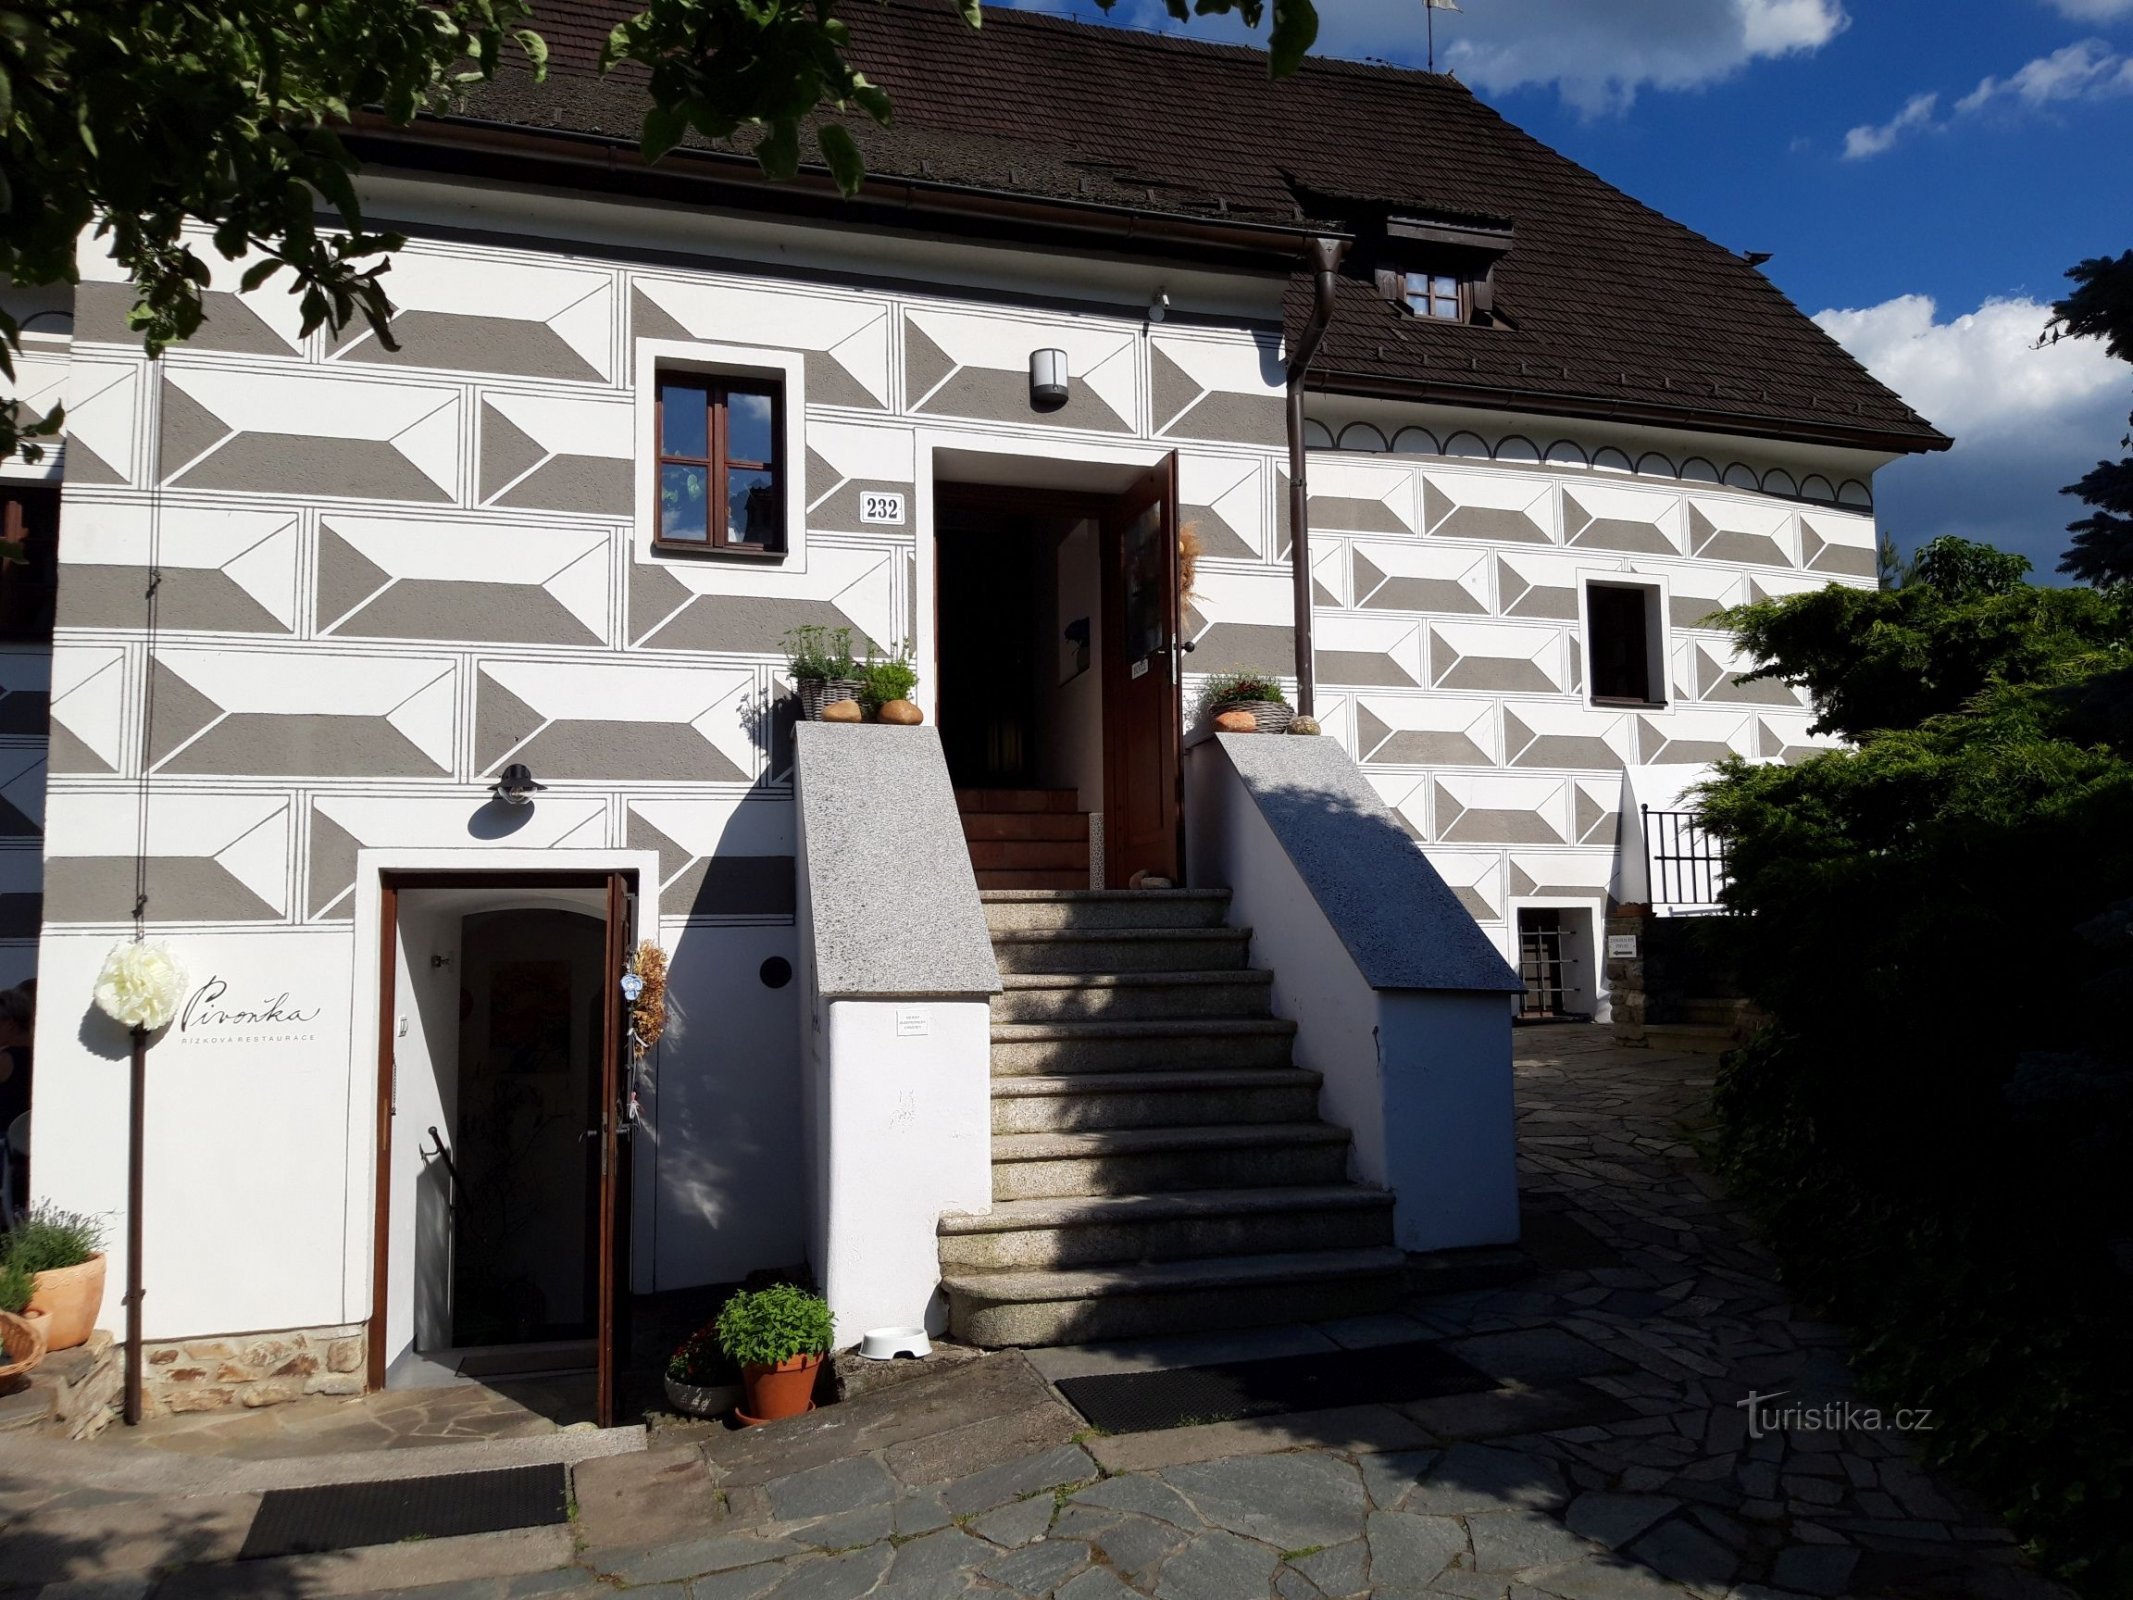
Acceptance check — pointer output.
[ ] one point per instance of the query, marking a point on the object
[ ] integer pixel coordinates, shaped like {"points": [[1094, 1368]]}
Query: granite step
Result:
{"points": [[1093, 1230], [1122, 949], [1020, 1048], [1034, 1166], [1092, 909], [1132, 996], [1048, 879], [1093, 1100], [1077, 1304]]}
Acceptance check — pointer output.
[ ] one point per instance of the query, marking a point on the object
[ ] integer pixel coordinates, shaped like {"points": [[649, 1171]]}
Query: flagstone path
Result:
{"points": [[1612, 1462]]}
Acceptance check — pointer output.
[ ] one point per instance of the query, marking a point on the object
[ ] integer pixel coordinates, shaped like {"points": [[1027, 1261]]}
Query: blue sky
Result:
{"points": [[1924, 174]]}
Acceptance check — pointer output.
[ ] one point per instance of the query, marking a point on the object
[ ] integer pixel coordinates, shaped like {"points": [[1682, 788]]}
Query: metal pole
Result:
{"points": [[136, 1143]]}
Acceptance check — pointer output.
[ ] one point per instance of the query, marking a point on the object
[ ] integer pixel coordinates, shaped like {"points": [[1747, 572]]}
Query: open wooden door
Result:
{"points": [[1142, 717], [617, 1117]]}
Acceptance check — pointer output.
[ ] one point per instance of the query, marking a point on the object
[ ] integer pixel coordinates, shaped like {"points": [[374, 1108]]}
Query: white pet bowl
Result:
{"points": [[885, 1344]]}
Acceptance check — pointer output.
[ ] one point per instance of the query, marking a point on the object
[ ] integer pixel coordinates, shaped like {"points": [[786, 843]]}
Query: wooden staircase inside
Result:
{"points": [[1026, 838], [1158, 1161]]}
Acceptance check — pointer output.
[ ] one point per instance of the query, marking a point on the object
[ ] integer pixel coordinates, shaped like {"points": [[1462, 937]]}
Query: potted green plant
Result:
{"points": [[888, 682], [701, 1379], [21, 1335], [1255, 694], [820, 663], [778, 1337], [63, 1253]]}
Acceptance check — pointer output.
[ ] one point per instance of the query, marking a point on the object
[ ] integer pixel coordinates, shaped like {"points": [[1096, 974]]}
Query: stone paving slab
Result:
{"points": [[1612, 1463]]}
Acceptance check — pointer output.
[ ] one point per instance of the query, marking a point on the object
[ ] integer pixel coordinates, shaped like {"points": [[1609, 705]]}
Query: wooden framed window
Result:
{"points": [[29, 564], [721, 476], [1433, 294], [1622, 660]]}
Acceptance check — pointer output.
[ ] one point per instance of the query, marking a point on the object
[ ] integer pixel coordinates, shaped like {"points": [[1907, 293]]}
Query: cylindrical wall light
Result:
{"points": [[1047, 379]]}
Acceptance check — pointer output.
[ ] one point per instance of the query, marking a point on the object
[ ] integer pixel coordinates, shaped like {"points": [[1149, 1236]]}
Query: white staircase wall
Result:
{"points": [[1398, 999], [895, 983]]}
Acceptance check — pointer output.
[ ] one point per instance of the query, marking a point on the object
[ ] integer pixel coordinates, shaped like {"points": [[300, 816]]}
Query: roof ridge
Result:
{"points": [[1318, 61]]}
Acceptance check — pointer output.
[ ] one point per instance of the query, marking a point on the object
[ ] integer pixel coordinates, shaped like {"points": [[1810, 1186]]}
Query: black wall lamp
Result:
{"points": [[515, 785]]}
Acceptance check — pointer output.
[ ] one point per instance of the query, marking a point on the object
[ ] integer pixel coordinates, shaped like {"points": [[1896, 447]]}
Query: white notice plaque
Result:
{"points": [[879, 506], [913, 1022], [1623, 945]]}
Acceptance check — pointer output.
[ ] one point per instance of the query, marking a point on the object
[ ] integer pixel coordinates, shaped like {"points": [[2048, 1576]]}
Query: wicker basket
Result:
{"points": [[815, 693], [22, 1343], [1271, 715]]}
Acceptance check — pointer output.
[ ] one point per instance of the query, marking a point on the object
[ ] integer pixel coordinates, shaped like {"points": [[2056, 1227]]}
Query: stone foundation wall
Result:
{"points": [[251, 1369]]}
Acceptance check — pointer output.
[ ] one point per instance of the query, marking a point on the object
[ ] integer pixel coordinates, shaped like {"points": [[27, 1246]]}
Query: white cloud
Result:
{"points": [[2093, 10], [2026, 420], [1599, 57], [2086, 70], [1870, 139]]}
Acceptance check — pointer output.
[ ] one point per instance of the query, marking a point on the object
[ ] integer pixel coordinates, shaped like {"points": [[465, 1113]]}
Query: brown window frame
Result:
{"points": [[29, 515], [1462, 295], [1634, 666], [717, 463]]}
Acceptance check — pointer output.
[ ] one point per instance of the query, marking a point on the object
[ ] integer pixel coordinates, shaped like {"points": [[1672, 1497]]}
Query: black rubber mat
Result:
{"points": [[1143, 1402], [341, 1516]]}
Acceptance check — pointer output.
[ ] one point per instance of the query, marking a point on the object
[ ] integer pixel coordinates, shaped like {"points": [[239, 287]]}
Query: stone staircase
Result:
{"points": [[1026, 838], [1158, 1163]]}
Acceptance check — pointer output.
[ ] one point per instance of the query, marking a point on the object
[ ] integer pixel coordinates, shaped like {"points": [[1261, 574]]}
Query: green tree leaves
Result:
{"points": [[1960, 622], [2101, 307]]}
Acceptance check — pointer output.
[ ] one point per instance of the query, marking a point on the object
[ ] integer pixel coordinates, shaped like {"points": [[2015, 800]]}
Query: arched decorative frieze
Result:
{"points": [[1521, 450]]}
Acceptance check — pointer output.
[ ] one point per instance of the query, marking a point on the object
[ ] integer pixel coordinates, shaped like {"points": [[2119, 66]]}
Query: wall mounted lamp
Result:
{"points": [[515, 785], [1048, 379]]}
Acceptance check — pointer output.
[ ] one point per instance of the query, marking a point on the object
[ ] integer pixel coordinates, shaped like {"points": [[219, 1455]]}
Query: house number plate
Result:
{"points": [[875, 506]]}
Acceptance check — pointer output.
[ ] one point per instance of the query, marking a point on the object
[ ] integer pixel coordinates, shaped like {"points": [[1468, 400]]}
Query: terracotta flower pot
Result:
{"points": [[785, 1390], [71, 1297]]}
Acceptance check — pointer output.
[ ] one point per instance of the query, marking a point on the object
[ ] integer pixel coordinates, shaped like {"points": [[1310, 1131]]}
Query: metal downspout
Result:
{"points": [[1324, 257]]}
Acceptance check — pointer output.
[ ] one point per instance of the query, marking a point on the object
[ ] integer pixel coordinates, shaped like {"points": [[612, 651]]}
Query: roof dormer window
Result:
{"points": [[1434, 294]]}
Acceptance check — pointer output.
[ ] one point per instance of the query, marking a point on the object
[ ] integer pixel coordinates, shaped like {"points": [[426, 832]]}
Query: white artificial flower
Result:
{"points": [[141, 985]]}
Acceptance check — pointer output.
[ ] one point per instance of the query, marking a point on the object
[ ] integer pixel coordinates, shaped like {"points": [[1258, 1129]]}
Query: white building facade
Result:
{"points": [[384, 577]]}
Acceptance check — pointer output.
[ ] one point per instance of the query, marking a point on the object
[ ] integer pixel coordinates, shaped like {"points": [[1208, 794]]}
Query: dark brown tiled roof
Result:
{"points": [[1616, 309]]}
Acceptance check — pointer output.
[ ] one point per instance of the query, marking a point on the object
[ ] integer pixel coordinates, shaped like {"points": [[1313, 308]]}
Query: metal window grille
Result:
{"points": [[1687, 860]]}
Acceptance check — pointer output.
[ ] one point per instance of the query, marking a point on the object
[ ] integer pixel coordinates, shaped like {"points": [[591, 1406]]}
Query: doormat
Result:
{"points": [[341, 1516], [1143, 1402]]}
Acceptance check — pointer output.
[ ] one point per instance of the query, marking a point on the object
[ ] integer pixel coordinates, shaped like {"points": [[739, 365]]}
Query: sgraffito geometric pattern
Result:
{"points": [[489, 582], [1216, 388], [1447, 580], [720, 858], [222, 570], [461, 315], [212, 858], [965, 364]]}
